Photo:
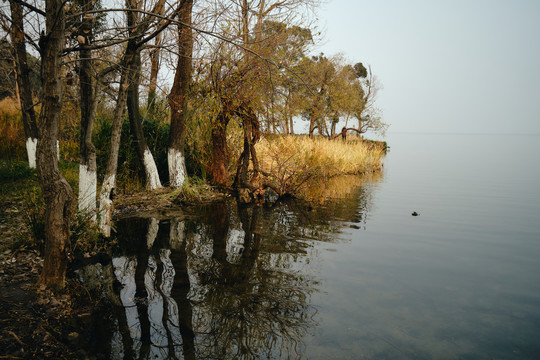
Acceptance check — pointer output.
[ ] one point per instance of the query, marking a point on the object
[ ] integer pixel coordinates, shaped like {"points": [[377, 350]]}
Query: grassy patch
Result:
{"points": [[85, 236], [16, 178], [14, 171], [23, 212], [193, 191]]}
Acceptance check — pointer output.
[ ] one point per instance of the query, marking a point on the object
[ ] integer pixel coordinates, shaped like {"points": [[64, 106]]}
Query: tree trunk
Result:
{"points": [[220, 158], [289, 112], [323, 131], [133, 62], [286, 120], [245, 21], [56, 191], [109, 181], [154, 65], [87, 162], [179, 96], [311, 124], [143, 152], [241, 178], [291, 126], [251, 136], [17, 93], [23, 82], [154, 70]]}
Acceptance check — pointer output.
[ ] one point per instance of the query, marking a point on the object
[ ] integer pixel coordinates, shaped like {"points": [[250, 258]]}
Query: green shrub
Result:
{"points": [[85, 236], [84, 233], [14, 170], [34, 217]]}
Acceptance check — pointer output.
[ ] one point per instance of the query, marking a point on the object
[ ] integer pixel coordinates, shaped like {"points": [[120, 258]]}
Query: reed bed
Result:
{"points": [[293, 161]]}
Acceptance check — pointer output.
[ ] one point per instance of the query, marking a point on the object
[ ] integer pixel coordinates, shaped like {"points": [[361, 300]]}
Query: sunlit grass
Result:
{"points": [[293, 161]]}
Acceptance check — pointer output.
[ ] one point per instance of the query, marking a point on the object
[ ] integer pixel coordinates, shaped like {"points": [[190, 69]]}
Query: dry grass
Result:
{"points": [[9, 106], [12, 140], [293, 161]]}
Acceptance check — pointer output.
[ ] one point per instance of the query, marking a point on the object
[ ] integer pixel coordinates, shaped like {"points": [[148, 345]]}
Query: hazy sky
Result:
{"points": [[468, 66]]}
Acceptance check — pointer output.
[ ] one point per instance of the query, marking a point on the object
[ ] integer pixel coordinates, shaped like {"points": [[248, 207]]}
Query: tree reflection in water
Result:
{"points": [[234, 283], [253, 307]]}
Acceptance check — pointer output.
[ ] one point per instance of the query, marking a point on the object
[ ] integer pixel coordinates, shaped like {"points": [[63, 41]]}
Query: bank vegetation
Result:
{"points": [[138, 95]]}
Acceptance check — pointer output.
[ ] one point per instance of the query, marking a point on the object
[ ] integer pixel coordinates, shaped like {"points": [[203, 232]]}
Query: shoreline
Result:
{"points": [[38, 323]]}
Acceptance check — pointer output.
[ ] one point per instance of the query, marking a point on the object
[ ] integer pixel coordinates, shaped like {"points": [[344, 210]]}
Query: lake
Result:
{"points": [[351, 276]]}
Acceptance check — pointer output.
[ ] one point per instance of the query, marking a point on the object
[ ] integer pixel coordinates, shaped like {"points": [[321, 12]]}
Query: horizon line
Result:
{"points": [[460, 133]]}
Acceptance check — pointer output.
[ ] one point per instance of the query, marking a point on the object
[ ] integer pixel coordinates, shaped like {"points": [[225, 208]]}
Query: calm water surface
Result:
{"points": [[354, 277]]}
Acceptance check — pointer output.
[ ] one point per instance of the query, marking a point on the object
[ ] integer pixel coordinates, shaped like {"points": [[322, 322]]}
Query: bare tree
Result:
{"points": [[130, 68], [178, 97], [243, 74], [109, 180], [138, 26], [23, 81], [368, 114], [88, 103], [57, 193]]}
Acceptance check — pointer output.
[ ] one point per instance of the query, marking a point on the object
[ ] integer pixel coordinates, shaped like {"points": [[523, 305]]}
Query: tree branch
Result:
{"points": [[169, 20], [31, 7]]}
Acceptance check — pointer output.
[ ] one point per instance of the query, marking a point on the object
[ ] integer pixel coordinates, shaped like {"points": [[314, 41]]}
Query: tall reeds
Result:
{"points": [[292, 162]]}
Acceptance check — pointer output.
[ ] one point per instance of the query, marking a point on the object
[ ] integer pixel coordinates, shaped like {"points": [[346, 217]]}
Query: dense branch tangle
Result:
{"points": [[244, 78], [252, 70]]}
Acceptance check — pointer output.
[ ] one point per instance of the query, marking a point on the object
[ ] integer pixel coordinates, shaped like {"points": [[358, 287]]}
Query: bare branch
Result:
{"points": [[31, 7]]}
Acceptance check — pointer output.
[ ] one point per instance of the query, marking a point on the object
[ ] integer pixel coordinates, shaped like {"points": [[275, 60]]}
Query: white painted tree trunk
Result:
{"points": [[177, 168], [87, 191], [31, 147], [105, 205], [150, 168]]}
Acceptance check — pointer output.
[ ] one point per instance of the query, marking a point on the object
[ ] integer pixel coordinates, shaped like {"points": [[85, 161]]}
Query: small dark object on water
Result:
{"points": [[415, 213]]}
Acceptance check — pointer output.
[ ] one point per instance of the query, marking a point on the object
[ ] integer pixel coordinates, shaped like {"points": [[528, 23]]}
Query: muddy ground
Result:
{"points": [[34, 322]]}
